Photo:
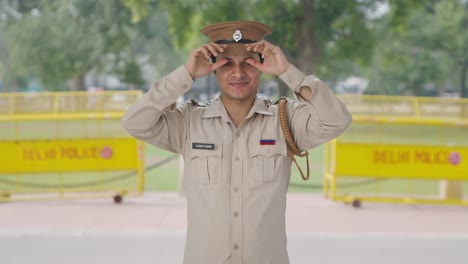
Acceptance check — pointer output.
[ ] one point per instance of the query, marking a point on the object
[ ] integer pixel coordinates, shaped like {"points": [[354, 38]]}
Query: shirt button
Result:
{"points": [[238, 135], [237, 159], [292, 79], [236, 189], [236, 247], [236, 214]]}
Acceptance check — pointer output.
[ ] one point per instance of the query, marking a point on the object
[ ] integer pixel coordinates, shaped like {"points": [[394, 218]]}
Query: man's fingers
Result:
{"points": [[219, 47], [257, 45], [218, 64], [205, 52], [211, 49], [263, 47]]}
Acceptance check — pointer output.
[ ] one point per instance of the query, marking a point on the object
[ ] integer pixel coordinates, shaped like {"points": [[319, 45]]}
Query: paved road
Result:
{"points": [[151, 248], [151, 229]]}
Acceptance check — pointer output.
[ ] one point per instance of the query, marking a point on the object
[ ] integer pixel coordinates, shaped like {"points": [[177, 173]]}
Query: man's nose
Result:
{"points": [[238, 71]]}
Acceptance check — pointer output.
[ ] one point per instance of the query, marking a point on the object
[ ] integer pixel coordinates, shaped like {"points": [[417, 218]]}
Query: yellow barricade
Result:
{"points": [[68, 145], [399, 160], [406, 106]]}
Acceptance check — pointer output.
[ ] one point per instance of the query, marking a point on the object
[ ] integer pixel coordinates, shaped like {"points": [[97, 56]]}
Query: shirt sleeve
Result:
{"points": [[319, 120], [156, 118]]}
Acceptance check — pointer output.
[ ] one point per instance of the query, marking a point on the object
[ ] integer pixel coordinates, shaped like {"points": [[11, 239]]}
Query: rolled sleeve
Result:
{"points": [[153, 115], [319, 119], [293, 78]]}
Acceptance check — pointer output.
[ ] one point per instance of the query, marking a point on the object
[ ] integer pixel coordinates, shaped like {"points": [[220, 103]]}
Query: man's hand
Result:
{"points": [[198, 63], [275, 62]]}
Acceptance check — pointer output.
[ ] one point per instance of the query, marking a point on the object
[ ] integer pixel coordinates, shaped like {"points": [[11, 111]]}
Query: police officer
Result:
{"points": [[234, 150]]}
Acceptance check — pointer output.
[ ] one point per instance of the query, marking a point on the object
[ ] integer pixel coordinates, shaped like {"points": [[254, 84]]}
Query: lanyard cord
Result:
{"points": [[293, 150]]}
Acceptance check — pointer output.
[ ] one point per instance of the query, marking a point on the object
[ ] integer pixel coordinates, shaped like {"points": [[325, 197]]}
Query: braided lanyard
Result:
{"points": [[292, 148]]}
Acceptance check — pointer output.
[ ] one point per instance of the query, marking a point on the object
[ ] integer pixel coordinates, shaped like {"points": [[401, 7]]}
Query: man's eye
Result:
{"points": [[227, 64]]}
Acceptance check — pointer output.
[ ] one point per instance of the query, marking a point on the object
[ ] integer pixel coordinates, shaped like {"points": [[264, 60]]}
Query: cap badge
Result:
{"points": [[237, 35]]}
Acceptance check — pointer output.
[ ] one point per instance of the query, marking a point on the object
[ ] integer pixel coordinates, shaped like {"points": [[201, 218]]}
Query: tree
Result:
{"points": [[311, 32], [60, 40], [423, 46]]}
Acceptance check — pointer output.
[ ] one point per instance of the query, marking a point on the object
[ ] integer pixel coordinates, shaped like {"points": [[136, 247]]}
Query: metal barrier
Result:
{"points": [[68, 145], [406, 106], [396, 159]]}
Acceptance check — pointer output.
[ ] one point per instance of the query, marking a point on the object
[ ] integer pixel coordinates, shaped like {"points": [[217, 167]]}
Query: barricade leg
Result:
{"points": [[451, 190]]}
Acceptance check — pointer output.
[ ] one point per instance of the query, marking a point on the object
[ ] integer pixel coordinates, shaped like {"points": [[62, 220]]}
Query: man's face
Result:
{"points": [[237, 79]]}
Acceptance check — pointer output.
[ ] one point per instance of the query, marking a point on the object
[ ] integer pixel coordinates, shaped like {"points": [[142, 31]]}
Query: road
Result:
{"points": [[151, 229]]}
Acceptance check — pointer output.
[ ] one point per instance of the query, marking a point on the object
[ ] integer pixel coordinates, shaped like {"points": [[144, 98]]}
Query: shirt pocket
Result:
{"points": [[268, 162], [207, 165]]}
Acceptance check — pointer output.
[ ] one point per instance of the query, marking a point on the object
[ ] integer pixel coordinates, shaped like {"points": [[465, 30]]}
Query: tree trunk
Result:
{"points": [[78, 83], [309, 49], [14, 85], [464, 69], [463, 92]]}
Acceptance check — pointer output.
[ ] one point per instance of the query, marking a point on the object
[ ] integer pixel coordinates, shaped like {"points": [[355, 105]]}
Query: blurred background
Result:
{"points": [[385, 47], [70, 68]]}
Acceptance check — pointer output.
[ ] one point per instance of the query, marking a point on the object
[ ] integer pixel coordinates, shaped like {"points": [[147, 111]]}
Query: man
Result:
{"points": [[235, 154]]}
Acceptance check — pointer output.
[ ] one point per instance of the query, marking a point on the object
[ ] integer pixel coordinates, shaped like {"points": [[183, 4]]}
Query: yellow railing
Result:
{"points": [[408, 155], [406, 106], [68, 145], [65, 105]]}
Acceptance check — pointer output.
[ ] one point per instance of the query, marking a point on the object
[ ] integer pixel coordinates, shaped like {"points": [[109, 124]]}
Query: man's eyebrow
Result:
{"points": [[243, 59]]}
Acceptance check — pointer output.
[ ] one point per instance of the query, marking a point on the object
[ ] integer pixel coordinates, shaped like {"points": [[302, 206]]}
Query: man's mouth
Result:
{"points": [[238, 84]]}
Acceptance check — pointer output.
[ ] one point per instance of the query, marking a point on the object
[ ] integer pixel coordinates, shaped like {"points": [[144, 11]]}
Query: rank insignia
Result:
{"points": [[264, 142]]}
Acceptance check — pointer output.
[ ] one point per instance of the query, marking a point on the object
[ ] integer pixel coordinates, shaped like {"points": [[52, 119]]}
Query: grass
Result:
{"points": [[164, 178]]}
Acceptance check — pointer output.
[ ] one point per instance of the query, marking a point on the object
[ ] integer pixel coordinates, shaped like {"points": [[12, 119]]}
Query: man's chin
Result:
{"points": [[237, 97]]}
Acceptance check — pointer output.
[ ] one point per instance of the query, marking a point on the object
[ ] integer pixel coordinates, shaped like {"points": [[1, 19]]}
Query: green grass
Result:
{"points": [[165, 177], [61, 129], [406, 134], [79, 182]]}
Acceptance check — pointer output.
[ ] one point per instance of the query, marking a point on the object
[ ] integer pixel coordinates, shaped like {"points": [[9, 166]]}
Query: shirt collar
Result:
{"points": [[216, 109]]}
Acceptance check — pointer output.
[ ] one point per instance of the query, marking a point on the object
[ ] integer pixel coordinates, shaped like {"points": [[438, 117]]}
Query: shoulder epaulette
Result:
{"points": [[208, 103], [196, 103], [267, 101]]}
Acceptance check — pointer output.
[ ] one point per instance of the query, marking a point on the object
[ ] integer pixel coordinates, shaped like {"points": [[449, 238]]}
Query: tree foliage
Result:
{"points": [[423, 50], [311, 32], [409, 48], [62, 40]]}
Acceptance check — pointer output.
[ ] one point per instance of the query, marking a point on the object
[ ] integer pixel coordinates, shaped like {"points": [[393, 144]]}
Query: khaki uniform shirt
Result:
{"points": [[237, 177]]}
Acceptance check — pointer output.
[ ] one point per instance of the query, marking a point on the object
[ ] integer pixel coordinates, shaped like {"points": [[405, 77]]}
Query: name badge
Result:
{"points": [[205, 146]]}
